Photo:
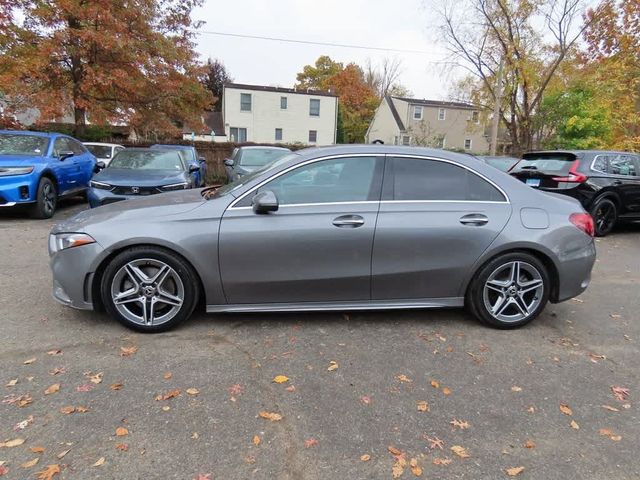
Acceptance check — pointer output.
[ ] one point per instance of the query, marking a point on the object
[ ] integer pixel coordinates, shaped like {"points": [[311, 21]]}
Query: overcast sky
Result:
{"points": [[403, 24]]}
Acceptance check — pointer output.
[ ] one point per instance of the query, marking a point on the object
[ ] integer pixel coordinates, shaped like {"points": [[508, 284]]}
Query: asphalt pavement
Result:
{"points": [[415, 394]]}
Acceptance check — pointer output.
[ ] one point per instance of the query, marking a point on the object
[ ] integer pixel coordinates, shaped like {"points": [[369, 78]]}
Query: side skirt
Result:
{"points": [[451, 302]]}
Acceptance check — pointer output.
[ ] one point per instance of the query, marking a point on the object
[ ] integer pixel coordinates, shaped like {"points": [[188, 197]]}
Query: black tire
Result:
{"points": [[536, 299], [605, 216], [148, 260], [46, 199]]}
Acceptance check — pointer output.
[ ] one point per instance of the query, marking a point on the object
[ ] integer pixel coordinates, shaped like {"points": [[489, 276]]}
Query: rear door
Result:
{"points": [[316, 247], [543, 170], [624, 172], [436, 218]]}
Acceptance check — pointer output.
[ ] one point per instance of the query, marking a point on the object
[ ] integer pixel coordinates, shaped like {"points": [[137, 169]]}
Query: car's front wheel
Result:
{"points": [[46, 199], [149, 289], [510, 290]]}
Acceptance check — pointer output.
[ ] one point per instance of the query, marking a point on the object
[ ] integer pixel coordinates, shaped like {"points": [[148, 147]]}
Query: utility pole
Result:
{"points": [[495, 124]]}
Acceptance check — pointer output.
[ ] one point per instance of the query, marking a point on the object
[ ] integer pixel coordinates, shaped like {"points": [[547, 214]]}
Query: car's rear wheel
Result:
{"points": [[605, 216], [149, 289], [510, 290], [46, 199]]}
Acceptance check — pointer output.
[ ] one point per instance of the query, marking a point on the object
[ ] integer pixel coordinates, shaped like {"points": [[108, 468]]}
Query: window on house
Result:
{"points": [[313, 136], [314, 107], [238, 135], [279, 133], [245, 102], [442, 114], [467, 144], [283, 103], [417, 112], [475, 116], [406, 140]]}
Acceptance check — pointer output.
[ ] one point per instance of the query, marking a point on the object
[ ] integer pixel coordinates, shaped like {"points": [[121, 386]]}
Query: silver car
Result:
{"points": [[363, 227]]}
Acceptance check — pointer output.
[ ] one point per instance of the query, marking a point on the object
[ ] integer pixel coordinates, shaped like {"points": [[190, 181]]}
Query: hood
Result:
{"points": [[20, 160], [125, 177], [164, 205]]}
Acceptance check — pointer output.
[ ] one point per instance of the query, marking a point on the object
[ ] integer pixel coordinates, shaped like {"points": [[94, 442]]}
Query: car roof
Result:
{"points": [[263, 147], [576, 152], [172, 147], [377, 149], [102, 144], [36, 134]]}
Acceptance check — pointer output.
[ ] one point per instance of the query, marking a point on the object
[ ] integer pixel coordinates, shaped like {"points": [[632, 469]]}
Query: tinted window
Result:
{"points": [[23, 144], [258, 157], [417, 179], [555, 163], [337, 180], [601, 163], [622, 165]]}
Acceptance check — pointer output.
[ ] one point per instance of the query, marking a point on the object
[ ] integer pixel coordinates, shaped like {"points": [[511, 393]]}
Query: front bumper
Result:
{"points": [[98, 197], [17, 189], [73, 274]]}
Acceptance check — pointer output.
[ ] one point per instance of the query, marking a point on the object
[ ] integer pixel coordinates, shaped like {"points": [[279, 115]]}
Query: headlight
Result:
{"points": [[6, 171], [62, 241], [174, 186], [100, 185]]}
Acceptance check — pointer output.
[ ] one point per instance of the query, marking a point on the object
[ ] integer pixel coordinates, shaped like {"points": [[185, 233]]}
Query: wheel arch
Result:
{"points": [[538, 253], [609, 195], [96, 281], [51, 176]]}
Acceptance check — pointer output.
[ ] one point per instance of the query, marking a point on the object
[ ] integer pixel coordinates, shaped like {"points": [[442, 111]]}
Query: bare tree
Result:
{"points": [[383, 78], [531, 39]]}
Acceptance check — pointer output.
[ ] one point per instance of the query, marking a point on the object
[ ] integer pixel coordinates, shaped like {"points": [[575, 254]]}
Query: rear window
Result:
{"points": [[546, 162]]}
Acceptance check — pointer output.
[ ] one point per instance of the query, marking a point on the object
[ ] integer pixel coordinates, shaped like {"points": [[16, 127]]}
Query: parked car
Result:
{"points": [[501, 163], [607, 184], [140, 172], [245, 160], [192, 158], [360, 227], [103, 152], [37, 169]]}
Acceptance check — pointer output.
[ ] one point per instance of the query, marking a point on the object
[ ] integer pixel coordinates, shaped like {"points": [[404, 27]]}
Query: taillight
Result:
{"points": [[584, 222], [574, 176]]}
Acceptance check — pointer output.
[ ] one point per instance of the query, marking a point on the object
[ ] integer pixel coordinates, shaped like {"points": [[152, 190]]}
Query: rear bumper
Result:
{"points": [[574, 270]]}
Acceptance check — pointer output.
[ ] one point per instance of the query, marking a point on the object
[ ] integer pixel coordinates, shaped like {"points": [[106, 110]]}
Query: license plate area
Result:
{"points": [[533, 182]]}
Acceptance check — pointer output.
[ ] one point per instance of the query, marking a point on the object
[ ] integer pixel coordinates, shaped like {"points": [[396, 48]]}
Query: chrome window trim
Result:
{"points": [[616, 175], [345, 155], [594, 161]]}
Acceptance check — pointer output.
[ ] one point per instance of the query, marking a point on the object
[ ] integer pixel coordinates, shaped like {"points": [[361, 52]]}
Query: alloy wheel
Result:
{"points": [[48, 198], [513, 291], [147, 292], [605, 217]]}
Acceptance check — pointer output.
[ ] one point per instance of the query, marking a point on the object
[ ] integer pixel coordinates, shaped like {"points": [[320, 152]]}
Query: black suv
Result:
{"points": [[607, 184]]}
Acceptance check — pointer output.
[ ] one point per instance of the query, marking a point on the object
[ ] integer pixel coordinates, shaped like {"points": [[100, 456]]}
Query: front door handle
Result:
{"points": [[617, 182], [474, 219], [348, 221]]}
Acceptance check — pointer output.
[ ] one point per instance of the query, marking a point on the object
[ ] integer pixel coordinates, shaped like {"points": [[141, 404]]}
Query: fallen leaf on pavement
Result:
{"points": [[423, 406], [168, 375], [610, 408], [68, 410], [37, 449], [415, 469], [63, 453], [274, 417], [441, 461], [564, 408], [30, 361], [54, 352], [203, 476], [529, 444], [280, 379], [193, 391], [365, 458], [99, 462], [80, 409], [290, 388], [365, 399], [58, 371], [12, 383], [435, 384], [461, 424], [95, 378], [460, 451], [434, 442], [121, 432], [515, 388], [52, 389], [256, 440], [575, 425], [48, 472], [30, 463], [310, 442], [12, 443], [394, 450], [620, 393], [512, 472], [404, 378], [333, 365], [398, 467], [615, 315], [169, 394], [128, 351], [608, 433], [446, 391], [123, 447], [84, 388], [116, 386], [3, 470]]}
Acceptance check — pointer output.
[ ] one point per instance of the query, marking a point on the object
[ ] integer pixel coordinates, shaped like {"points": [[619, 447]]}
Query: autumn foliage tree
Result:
{"points": [[214, 78], [127, 61]]}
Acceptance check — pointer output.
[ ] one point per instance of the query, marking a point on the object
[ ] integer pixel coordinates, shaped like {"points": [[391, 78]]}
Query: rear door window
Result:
{"points": [[554, 163], [622, 165]]}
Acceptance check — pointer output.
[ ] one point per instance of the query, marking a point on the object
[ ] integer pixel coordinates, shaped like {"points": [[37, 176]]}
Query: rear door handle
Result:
{"points": [[474, 219], [348, 221], [617, 182]]}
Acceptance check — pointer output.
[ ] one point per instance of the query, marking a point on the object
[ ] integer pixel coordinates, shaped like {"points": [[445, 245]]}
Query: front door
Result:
{"points": [[436, 219], [316, 246], [625, 170]]}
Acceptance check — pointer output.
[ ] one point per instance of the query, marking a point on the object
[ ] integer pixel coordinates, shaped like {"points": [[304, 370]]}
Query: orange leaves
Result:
{"points": [[30, 463], [423, 406], [608, 433], [460, 451], [52, 389], [280, 379], [435, 384], [99, 462], [564, 408], [256, 440], [271, 416], [461, 424], [192, 391], [71, 409], [121, 432], [446, 390], [95, 378], [403, 378], [393, 450], [37, 449], [574, 425], [333, 365], [116, 386], [168, 395], [12, 443], [49, 472], [415, 468], [529, 444], [310, 442], [123, 447], [365, 458], [515, 471], [128, 351], [620, 393]]}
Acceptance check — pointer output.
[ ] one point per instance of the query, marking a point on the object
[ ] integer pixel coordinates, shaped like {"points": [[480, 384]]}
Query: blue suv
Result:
{"points": [[36, 169]]}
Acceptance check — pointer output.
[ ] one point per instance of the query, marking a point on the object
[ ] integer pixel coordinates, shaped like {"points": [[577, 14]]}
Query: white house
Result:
{"points": [[254, 113], [429, 123]]}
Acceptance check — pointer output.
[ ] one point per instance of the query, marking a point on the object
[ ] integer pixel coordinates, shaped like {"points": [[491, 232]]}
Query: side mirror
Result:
{"points": [[100, 165], [194, 168], [228, 162], [265, 202], [202, 159], [62, 156]]}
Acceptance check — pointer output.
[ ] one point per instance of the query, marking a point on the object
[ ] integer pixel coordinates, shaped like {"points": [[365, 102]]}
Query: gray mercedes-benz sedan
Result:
{"points": [[362, 227]]}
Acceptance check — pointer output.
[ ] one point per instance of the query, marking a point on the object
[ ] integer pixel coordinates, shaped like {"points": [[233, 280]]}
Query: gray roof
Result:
{"points": [[437, 103], [263, 88]]}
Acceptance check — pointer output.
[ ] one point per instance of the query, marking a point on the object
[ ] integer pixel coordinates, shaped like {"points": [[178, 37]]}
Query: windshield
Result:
{"points": [[147, 160], [223, 190], [99, 151], [11, 144], [259, 157]]}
